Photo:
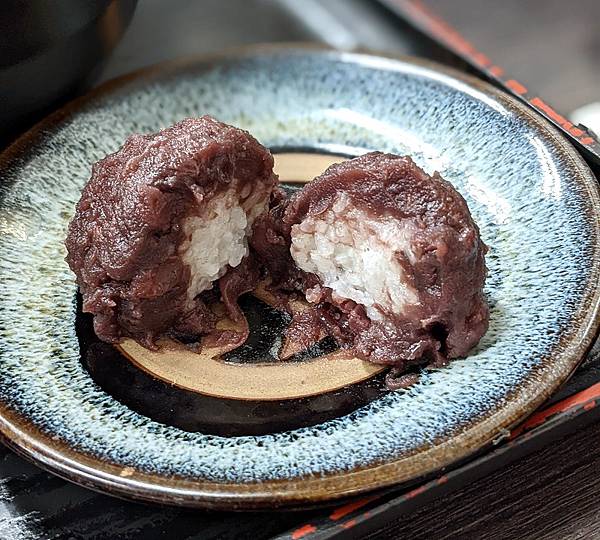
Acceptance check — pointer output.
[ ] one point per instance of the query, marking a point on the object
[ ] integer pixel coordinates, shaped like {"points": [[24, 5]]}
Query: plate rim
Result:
{"points": [[61, 459]]}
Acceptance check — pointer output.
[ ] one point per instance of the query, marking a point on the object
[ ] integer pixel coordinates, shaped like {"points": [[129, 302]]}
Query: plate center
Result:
{"points": [[267, 384]]}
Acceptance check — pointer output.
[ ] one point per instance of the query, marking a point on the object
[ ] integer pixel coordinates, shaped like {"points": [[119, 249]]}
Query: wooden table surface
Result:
{"points": [[552, 494]]}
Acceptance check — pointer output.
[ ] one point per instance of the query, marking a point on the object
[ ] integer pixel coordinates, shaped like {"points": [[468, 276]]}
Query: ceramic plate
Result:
{"points": [[243, 428]]}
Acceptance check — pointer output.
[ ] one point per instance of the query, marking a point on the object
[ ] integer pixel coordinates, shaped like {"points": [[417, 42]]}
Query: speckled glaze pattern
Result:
{"points": [[532, 197]]}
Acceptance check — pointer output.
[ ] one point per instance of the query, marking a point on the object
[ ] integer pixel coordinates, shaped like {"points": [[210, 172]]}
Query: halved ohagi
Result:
{"points": [[160, 221], [388, 255]]}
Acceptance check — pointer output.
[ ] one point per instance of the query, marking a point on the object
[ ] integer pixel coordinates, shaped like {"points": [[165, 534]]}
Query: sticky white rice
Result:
{"points": [[357, 257], [218, 238]]}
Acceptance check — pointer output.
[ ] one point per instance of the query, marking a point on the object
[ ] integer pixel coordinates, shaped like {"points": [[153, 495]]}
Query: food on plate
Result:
{"points": [[164, 219], [388, 256]]}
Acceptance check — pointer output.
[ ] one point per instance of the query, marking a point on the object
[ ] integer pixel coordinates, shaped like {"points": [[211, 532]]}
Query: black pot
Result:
{"points": [[51, 49]]}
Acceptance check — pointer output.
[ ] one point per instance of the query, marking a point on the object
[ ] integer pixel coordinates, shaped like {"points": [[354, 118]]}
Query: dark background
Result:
{"points": [[554, 45]]}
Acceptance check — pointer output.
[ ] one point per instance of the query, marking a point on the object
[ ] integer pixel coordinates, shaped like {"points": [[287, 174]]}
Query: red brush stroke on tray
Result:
{"points": [[342, 511], [576, 132], [415, 492], [303, 531], [543, 106], [481, 59], [440, 27], [516, 86], [586, 398]]}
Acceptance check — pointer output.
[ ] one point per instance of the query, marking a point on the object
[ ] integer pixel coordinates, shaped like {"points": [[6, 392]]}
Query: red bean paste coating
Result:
{"points": [[123, 240], [447, 274]]}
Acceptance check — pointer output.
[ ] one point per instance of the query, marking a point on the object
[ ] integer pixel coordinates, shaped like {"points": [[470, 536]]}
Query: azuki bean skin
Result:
{"points": [[451, 314]]}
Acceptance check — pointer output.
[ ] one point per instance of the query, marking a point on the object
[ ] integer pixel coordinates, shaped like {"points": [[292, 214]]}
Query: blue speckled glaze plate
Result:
{"points": [[534, 199]]}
